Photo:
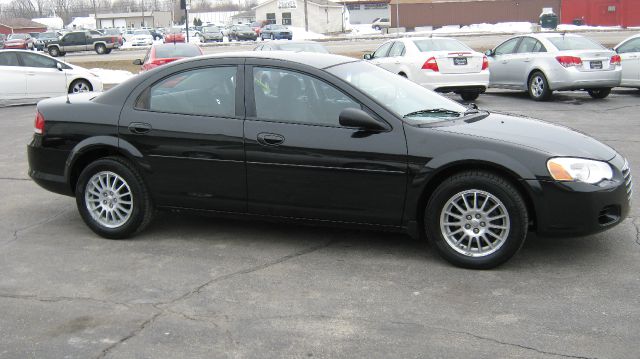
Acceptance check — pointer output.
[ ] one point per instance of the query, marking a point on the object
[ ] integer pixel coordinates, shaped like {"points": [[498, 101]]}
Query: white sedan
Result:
{"points": [[28, 77], [629, 51], [439, 64], [141, 38]]}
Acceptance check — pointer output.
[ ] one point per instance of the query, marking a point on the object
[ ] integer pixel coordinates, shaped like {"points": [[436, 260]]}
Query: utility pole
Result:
{"points": [[306, 18], [397, 18], [142, 4]]}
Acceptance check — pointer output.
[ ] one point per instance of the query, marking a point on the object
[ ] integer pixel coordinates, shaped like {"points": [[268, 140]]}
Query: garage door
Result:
{"points": [[119, 23]]}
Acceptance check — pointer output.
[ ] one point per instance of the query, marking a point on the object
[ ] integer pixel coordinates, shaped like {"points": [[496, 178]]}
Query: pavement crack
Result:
{"points": [[223, 277], [59, 299], [636, 225], [133, 333], [17, 232]]}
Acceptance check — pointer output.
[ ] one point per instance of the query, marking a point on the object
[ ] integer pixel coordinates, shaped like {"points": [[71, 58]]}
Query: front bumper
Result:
{"points": [[246, 37], [573, 79], [576, 209], [287, 36], [15, 46]]}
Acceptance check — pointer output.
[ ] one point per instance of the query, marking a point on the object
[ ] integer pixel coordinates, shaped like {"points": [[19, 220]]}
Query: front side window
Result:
{"points": [[207, 92], [288, 96], [382, 50], [9, 59], [507, 47], [33, 60], [630, 46], [397, 49]]}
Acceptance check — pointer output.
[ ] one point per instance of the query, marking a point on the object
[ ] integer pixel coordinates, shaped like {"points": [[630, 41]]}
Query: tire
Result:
{"points": [[108, 51], [469, 95], [101, 49], [538, 87], [135, 207], [79, 86], [377, 28], [599, 93], [54, 51], [480, 190], [402, 74], [273, 37]]}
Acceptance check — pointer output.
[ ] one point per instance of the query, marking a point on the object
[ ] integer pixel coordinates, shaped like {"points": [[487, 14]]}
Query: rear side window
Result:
{"points": [[630, 46], [205, 92], [507, 47], [9, 59], [530, 44], [564, 43]]}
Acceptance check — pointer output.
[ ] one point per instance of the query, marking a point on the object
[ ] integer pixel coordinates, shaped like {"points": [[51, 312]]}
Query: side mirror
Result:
{"points": [[59, 66], [489, 53], [356, 118], [137, 62], [368, 56]]}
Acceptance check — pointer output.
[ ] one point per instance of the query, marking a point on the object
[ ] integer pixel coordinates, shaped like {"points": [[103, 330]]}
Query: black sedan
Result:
{"points": [[242, 32], [323, 139]]}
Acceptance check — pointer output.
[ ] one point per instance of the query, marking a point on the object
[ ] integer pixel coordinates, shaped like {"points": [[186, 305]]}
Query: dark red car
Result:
{"points": [[19, 41], [161, 54], [174, 36]]}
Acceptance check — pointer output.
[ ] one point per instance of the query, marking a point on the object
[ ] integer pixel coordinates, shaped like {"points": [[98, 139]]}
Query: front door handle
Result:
{"points": [[270, 139], [139, 128]]}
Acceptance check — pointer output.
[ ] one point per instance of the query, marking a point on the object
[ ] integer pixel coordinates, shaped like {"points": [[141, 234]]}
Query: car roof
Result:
{"points": [[317, 60]]}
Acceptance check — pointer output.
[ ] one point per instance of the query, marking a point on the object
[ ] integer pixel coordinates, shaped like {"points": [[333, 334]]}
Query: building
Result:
{"points": [[134, 19], [244, 17], [323, 16], [438, 13], [366, 11], [623, 13], [212, 17], [20, 26]]}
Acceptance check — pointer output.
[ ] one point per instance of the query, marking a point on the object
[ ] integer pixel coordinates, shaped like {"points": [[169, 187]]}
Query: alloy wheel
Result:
{"points": [[108, 199]]}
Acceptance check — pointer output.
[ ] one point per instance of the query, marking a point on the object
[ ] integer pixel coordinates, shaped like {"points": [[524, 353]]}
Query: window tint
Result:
{"points": [[507, 47], [440, 45], [563, 43], [630, 46], [75, 37], [33, 60], [397, 49], [382, 50], [529, 44], [289, 96], [209, 92], [9, 59]]}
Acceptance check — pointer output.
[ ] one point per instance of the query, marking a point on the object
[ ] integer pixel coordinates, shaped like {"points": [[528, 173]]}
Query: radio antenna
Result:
{"points": [[66, 80]]}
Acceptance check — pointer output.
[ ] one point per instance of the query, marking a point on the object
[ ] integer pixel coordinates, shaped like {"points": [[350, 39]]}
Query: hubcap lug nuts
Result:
{"points": [[477, 216], [468, 226], [104, 202], [469, 217], [476, 230], [482, 224]]}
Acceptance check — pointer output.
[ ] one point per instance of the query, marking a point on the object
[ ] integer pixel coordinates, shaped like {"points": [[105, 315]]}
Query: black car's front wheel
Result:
{"points": [[599, 93], [112, 198], [476, 220]]}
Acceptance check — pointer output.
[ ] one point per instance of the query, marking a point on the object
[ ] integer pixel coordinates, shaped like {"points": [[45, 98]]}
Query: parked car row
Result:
{"points": [[538, 63]]}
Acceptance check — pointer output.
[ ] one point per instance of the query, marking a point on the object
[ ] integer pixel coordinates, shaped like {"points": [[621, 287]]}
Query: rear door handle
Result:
{"points": [[139, 128], [270, 139]]}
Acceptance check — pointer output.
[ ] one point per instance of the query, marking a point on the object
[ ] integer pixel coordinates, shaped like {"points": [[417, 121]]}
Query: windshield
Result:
{"points": [[177, 50], [563, 43], [213, 29], [244, 28], [142, 32], [17, 36], [440, 45], [402, 97], [303, 47], [112, 32], [278, 27]]}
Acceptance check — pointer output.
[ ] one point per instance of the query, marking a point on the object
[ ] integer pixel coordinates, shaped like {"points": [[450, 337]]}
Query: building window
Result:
{"points": [[286, 18], [374, 6], [271, 18], [353, 6]]}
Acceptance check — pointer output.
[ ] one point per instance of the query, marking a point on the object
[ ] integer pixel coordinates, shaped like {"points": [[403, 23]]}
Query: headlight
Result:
{"points": [[579, 170]]}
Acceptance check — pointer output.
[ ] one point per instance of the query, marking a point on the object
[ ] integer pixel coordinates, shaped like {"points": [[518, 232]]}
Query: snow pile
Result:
{"points": [[571, 27], [83, 23], [502, 27], [50, 22], [363, 29], [111, 77], [300, 34]]}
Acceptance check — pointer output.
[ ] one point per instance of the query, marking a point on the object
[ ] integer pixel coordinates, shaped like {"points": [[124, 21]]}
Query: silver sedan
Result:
{"points": [[543, 63]]}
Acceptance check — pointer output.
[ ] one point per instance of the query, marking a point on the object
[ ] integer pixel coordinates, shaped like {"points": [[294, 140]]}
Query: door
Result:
{"points": [[529, 50], [630, 55], [501, 63], [14, 82], [302, 163], [394, 58], [74, 41], [42, 75], [188, 128]]}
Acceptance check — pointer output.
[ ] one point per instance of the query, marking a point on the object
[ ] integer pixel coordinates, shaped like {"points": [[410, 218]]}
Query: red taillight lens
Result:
{"points": [[485, 63], [431, 64], [616, 60], [569, 61], [38, 126]]}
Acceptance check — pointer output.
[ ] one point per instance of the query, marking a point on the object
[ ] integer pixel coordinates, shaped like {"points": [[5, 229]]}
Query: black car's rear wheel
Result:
{"points": [[476, 220], [469, 95], [112, 198], [599, 93]]}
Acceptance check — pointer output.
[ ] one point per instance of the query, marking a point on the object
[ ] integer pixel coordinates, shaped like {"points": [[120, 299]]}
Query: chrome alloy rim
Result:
{"points": [[81, 87], [475, 223], [537, 86], [108, 199]]}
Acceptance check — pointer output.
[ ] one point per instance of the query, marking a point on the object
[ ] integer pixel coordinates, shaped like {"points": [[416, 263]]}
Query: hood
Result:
{"points": [[15, 41], [545, 137]]}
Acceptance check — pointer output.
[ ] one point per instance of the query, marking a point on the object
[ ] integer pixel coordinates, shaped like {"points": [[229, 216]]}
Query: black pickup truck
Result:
{"points": [[82, 41]]}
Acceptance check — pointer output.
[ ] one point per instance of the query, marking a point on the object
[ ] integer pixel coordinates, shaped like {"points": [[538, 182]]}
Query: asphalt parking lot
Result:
{"points": [[199, 287]]}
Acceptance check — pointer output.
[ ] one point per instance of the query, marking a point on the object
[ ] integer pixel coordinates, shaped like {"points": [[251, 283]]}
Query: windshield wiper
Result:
{"points": [[432, 111]]}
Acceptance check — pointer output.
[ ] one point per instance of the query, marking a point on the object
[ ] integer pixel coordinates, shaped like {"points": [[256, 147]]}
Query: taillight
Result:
{"points": [[431, 64], [569, 61], [616, 60], [485, 63], [38, 127]]}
